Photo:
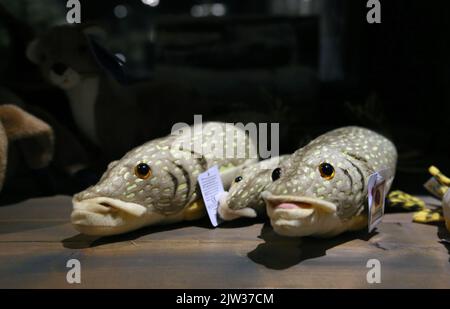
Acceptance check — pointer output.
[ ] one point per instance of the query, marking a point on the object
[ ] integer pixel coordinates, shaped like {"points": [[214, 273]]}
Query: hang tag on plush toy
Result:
{"points": [[378, 186], [211, 187]]}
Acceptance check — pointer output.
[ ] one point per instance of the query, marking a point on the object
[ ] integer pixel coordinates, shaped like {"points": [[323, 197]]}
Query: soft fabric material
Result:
{"points": [[115, 109], [34, 136], [398, 200], [428, 216], [445, 186], [109, 110], [323, 190], [156, 183], [70, 170], [401, 201], [439, 176], [243, 199]]}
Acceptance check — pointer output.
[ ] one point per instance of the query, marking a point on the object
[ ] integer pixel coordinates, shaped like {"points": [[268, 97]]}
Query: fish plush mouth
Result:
{"points": [[296, 207], [227, 213], [104, 216], [299, 216], [106, 204], [103, 213]]}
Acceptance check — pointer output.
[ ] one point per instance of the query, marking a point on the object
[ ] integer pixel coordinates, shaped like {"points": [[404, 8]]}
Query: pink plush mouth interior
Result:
{"points": [[293, 205]]}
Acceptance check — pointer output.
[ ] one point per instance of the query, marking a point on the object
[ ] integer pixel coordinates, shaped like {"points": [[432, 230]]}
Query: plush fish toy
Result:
{"points": [[156, 183], [323, 190], [243, 199]]}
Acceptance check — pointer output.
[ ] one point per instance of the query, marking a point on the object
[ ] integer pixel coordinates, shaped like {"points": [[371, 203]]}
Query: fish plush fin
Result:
{"points": [[195, 210]]}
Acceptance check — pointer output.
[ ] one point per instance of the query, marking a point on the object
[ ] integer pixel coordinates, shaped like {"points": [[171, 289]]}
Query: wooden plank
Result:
{"points": [[36, 241], [47, 208]]}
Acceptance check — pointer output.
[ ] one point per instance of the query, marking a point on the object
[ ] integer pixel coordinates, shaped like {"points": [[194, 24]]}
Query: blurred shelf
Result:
{"points": [[188, 23]]}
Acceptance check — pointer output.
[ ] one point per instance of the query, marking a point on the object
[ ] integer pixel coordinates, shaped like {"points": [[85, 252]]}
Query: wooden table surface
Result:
{"points": [[37, 240]]}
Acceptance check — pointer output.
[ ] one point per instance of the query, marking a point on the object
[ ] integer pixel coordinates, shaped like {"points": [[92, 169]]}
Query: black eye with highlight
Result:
{"points": [[238, 179], [276, 174], [326, 171], [143, 171]]}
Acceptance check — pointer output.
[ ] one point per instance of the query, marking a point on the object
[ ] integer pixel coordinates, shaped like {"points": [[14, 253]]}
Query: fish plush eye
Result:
{"points": [[276, 174], [142, 171], [238, 178], [326, 171]]}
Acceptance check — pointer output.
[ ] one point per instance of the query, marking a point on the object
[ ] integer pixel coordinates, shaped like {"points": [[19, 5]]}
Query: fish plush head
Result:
{"points": [[243, 199], [135, 191], [323, 192]]}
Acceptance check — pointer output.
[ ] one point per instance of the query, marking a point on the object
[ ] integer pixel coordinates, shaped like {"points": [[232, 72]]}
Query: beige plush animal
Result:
{"points": [[34, 137], [243, 199], [117, 113], [323, 191], [156, 183], [112, 114]]}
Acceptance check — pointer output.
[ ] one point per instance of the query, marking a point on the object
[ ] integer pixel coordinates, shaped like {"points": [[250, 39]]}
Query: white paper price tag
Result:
{"points": [[378, 186], [376, 200], [211, 187]]}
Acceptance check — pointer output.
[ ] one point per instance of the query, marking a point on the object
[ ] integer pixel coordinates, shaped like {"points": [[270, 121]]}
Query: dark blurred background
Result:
{"points": [[393, 77]]}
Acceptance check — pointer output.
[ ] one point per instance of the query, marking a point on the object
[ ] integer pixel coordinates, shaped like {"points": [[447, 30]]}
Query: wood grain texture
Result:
{"points": [[36, 241]]}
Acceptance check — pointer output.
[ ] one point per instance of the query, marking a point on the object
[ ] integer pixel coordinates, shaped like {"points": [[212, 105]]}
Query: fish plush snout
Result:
{"points": [[106, 204], [105, 216], [227, 213]]}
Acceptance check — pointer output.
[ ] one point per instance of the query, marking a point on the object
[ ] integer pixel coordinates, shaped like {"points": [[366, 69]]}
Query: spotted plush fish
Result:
{"points": [[243, 199], [323, 190], [156, 183]]}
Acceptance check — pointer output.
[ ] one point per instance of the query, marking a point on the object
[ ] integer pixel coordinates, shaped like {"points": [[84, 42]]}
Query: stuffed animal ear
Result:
{"points": [[32, 51], [35, 137]]}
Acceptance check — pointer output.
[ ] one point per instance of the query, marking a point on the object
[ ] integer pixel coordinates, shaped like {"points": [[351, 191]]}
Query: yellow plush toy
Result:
{"points": [[401, 201], [444, 182]]}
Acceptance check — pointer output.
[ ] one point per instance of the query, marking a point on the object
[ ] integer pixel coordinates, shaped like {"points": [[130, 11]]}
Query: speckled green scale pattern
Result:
{"points": [[254, 179], [355, 153], [175, 163]]}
